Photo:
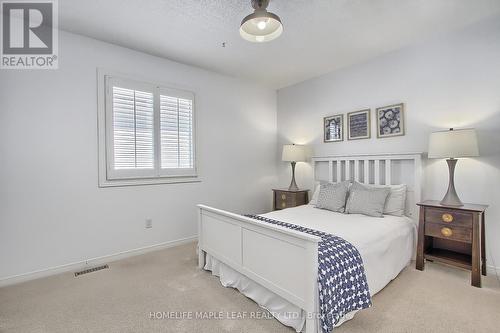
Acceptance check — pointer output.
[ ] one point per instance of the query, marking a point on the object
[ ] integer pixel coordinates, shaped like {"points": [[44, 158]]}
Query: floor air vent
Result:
{"points": [[90, 270]]}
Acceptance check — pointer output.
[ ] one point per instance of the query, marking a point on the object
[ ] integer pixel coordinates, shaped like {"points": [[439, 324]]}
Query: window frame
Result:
{"points": [[108, 176]]}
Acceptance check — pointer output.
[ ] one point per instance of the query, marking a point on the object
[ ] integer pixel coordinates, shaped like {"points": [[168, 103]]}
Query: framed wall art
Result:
{"points": [[358, 125], [390, 121], [333, 127]]}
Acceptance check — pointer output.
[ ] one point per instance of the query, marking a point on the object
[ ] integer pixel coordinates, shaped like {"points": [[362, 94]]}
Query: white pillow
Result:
{"points": [[314, 198], [396, 201]]}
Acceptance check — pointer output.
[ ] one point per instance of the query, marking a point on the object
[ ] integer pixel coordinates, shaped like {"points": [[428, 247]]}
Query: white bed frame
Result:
{"points": [[269, 254]]}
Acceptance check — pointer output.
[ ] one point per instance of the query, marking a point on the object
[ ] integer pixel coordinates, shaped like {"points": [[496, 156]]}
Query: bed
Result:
{"points": [[278, 267]]}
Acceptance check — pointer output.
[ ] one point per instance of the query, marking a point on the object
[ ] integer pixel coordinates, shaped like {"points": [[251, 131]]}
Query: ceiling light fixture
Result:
{"points": [[261, 25]]}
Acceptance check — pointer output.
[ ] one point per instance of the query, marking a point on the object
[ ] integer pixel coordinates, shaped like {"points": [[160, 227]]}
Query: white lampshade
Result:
{"points": [[453, 144], [294, 153]]}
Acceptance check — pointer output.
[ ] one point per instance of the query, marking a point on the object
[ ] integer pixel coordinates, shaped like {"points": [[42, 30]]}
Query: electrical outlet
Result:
{"points": [[149, 223]]}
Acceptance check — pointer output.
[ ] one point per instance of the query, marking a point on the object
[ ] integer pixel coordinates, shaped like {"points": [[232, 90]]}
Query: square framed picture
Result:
{"points": [[333, 127], [358, 125], [390, 121]]}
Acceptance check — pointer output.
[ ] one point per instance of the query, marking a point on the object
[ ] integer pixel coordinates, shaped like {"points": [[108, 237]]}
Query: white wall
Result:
{"points": [[450, 81], [51, 209]]}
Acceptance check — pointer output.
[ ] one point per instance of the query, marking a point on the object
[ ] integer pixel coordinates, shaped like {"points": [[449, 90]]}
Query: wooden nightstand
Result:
{"points": [[454, 236], [283, 198]]}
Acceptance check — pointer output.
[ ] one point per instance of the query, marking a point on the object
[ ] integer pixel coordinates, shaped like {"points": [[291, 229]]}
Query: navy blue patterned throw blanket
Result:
{"points": [[341, 275]]}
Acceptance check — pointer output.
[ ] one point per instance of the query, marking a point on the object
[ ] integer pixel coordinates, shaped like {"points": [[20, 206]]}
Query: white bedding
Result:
{"points": [[386, 245]]}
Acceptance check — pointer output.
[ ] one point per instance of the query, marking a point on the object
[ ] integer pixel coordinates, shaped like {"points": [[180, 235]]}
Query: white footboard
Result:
{"points": [[282, 260]]}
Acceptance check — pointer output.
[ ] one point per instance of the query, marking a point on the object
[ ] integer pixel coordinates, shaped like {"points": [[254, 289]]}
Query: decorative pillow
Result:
{"points": [[332, 196], [367, 201], [395, 203]]}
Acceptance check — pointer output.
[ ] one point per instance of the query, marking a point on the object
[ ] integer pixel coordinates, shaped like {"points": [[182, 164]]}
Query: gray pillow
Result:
{"points": [[332, 196], [395, 204], [367, 201]]}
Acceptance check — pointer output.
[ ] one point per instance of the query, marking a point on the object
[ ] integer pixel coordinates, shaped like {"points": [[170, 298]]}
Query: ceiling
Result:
{"points": [[319, 35]]}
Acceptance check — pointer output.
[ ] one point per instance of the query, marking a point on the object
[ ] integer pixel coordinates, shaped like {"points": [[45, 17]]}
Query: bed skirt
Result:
{"points": [[284, 311]]}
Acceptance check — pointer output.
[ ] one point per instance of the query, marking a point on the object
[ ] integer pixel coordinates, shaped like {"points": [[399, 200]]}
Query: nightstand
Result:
{"points": [[283, 198], [454, 236]]}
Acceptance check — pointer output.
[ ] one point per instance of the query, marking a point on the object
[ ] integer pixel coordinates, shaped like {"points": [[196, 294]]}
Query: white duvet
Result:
{"points": [[386, 245]]}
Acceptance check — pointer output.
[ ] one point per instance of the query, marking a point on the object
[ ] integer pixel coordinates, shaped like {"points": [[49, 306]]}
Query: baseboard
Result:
{"points": [[492, 270], [15, 279]]}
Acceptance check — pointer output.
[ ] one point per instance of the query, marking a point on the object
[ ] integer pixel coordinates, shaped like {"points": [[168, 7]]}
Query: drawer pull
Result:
{"points": [[283, 196], [448, 218], [283, 204], [446, 232]]}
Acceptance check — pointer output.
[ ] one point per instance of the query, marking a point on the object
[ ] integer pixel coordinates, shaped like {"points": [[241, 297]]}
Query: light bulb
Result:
{"points": [[261, 25]]}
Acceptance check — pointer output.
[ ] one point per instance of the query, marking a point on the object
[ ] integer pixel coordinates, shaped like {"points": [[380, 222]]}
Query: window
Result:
{"points": [[148, 133]]}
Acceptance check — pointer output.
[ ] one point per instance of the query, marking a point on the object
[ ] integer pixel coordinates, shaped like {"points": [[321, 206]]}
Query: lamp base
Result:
{"points": [[451, 197], [293, 185]]}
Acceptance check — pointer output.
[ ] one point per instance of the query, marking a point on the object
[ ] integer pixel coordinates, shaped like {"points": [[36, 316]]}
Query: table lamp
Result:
{"points": [[453, 144], [293, 153]]}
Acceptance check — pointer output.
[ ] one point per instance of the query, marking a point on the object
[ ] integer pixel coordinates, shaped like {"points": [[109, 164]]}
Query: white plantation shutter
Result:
{"points": [[176, 131], [133, 116], [149, 131]]}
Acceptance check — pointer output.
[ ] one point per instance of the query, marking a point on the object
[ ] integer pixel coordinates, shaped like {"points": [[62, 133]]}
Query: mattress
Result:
{"points": [[386, 246]]}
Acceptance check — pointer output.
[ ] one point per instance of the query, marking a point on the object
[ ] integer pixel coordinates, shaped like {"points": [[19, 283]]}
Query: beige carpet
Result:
{"points": [[121, 298]]}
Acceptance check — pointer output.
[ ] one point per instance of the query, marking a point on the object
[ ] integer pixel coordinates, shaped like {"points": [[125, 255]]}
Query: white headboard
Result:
{"points": [[378, 169]]}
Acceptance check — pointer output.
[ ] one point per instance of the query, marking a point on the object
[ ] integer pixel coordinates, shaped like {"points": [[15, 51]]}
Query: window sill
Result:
{"points": [[147, 181]]}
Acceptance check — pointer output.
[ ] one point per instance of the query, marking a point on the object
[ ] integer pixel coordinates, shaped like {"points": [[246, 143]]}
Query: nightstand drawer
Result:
{"points": [[440, 230], [286, 199], [445, 216]]}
